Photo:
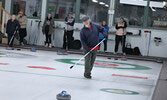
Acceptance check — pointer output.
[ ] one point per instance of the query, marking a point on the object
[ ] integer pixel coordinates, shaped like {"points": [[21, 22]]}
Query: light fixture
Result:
{"points": [[107, 5], [165, 4], [102, 3], [94, 1], [153, 9]]}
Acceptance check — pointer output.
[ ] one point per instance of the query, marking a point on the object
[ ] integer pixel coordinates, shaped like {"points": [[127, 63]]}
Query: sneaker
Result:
{"points": [[50, 46], [105, 51], [46, 45], [115, 53], [88, 77], [22, 44]]}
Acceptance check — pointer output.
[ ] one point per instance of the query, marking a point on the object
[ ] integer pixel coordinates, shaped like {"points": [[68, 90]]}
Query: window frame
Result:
{"points": [[47, 6], [145, 24], [77, 11], [96, 22], [11, 12], [130, 26]]}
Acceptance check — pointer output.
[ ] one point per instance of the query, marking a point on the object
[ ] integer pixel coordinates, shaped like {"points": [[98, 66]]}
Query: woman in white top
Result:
{"points": [[120, 35]]}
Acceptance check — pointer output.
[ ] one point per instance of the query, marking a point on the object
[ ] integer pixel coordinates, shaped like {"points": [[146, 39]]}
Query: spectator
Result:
{"points": [[12, 26], [47, 29], [101, 36], [23, 23], [68, 33], [120, 35]]}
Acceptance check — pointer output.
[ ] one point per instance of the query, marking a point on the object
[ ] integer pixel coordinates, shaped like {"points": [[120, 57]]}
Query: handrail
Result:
{"points": [[6, 11], [5, 16]]}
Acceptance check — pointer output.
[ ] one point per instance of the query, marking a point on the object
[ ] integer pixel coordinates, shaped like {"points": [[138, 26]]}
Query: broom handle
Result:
{"points": [[12, 37], [89, 52]]}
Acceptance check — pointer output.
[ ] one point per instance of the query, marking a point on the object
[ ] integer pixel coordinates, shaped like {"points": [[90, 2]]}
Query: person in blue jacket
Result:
{"points": [[101, 36], [89, 36]]}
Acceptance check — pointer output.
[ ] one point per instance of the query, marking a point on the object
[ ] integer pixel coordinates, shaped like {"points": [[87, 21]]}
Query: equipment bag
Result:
{"points": [[128, 49], [76, 44], [136, 51]]}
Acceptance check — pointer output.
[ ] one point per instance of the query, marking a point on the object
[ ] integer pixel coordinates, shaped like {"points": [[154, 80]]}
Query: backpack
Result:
{"points": [[128, 49], [136, 51], [76, 44]]}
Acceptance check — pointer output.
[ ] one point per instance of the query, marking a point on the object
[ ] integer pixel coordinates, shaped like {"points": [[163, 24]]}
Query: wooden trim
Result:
{"points": [[0, 10], [5, 16], [3, 22], [6, 12]]}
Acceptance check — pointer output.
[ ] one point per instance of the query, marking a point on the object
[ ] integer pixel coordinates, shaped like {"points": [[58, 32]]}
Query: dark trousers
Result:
{"points": [[68, 39], [10, 42], [89, 62], [119, 39], [105, 44], [22, 34], [48, 37]]}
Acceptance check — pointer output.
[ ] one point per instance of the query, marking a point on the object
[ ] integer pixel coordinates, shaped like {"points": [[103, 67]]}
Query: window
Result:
{"points": [[157, 16], [60, 8], [97, 10], [31, 8], [131, 10]]}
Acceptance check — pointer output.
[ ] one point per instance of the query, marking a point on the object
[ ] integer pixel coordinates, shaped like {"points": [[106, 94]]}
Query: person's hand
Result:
{"points": [[6, 34], [43, 31]]}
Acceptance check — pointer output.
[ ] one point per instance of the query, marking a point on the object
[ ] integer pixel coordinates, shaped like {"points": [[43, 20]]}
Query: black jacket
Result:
{"points": [[72, 21], [90, 38], [118, 27], [12, 26]]}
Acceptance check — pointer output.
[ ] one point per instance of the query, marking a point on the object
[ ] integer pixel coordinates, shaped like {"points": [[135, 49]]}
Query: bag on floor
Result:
{"points": [[128, 49], [136, 51], [76, 44]]}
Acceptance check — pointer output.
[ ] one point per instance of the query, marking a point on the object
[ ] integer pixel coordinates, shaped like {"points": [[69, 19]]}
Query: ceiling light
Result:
{"points": [[94, 1], [102, 3], [153, 9], [107, 5]]}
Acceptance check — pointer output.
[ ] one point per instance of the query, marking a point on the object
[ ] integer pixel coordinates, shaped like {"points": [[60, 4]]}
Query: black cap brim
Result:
{"points": [[85, 18]]}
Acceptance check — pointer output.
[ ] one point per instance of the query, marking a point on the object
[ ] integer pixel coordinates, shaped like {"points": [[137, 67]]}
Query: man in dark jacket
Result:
{"points": [[89, 36], [68, 33], [12, 26]]}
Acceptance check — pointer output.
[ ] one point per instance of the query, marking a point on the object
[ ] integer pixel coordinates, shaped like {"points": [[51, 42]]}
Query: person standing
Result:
{"points": [[89, 36], [47, 29], [120, 35], [68, 33], [12, 26], [101, 37], [23, 22]]}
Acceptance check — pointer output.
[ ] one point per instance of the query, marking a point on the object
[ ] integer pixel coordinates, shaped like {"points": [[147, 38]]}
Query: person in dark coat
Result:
{"points": [[12, 27], [89, 36], [69, 30], [47, 29]]}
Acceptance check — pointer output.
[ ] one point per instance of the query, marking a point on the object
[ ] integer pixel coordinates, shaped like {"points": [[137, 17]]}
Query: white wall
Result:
{"points": [[140, 41], [7, 7], [136, 41]]}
